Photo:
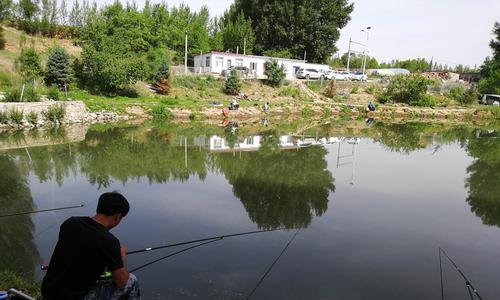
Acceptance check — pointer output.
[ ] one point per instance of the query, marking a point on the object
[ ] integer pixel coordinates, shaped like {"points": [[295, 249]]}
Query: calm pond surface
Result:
{"points": [[372, 204]]}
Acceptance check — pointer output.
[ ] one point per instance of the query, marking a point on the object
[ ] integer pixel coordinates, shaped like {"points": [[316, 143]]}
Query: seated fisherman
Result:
{"points": [[85, 250]]}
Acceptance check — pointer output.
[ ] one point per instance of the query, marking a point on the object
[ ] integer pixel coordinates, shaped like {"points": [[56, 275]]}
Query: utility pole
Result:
{"points": [[245, 46], [201, 62], [367, 31], [186, 54], [237, 49], [349, 54], [305, 55]]}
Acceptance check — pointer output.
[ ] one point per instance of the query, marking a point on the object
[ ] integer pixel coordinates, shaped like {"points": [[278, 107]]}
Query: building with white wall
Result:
{"points": [[216, 62]]}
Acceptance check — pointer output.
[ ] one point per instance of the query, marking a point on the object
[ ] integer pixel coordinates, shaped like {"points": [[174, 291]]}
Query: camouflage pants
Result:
{"points": [[107, 290]]}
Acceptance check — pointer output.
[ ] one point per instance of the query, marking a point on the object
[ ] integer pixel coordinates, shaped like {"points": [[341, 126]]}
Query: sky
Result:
{"points": [[450, 31]]}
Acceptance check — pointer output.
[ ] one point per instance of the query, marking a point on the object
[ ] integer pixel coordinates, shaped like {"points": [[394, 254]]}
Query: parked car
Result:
{"points": [[336, 75], [242, 71], [359, 77], [490, 99], [309, 74]]}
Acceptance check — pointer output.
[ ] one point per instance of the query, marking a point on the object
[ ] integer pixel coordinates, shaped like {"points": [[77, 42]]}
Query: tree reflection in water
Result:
{"points": [[18, 252], [279, 188], [484, 179]]}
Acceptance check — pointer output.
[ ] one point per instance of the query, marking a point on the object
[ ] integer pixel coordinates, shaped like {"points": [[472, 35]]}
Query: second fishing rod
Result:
{"points": [[219, 237]]}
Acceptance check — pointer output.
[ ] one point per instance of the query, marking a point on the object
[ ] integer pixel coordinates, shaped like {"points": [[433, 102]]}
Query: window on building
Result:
{"points": [[219, 61], [207, 61], [253, 66], [229, 63], [239, 62]]}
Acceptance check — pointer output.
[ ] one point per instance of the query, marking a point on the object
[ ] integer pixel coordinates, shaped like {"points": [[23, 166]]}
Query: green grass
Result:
{"points": [[10, 279]]}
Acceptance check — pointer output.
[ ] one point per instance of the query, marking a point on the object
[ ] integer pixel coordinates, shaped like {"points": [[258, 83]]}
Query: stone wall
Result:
{"points": [[76, 111]]}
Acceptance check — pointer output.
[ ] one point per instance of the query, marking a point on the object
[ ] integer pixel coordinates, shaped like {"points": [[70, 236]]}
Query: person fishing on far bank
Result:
{"points": [[85, 250]]}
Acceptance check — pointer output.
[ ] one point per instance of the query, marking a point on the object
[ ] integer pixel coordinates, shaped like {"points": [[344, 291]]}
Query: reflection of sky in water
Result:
{"points": [[377, 240]]}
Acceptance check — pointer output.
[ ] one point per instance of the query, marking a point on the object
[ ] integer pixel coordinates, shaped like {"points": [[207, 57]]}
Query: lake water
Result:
{"points": [[372, 204]]}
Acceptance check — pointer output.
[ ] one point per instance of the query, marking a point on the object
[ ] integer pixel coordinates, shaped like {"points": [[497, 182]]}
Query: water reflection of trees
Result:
{"points": [[279, 187], [17, 249], [483, 181]]}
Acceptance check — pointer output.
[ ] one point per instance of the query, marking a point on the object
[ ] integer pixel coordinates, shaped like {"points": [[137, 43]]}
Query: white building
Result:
{"points": [[216, 62]]}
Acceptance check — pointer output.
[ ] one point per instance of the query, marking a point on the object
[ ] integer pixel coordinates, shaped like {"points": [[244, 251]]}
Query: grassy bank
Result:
{"points": [[10, 279]]}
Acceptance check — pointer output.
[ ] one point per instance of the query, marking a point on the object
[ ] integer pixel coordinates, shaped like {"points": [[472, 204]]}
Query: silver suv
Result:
{"points": [[242, 71]]}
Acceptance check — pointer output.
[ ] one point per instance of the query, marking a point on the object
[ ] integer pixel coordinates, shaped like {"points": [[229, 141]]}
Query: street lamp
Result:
{"points": [[367, 31]]}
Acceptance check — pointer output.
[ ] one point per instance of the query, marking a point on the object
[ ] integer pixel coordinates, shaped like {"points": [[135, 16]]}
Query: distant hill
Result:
{"points": [[41, 44]]}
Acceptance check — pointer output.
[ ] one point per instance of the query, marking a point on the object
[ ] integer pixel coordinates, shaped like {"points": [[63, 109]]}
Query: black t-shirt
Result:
{"points": [[85, 248]]}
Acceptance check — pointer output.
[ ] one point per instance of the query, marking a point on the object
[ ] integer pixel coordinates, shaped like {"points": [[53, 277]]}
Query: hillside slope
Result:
{"points": [[42, 44]]}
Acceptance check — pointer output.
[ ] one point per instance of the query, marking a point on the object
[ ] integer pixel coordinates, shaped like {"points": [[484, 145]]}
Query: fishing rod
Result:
{"points": [[40, 211], [220, 237], [468, 283], [173, 254], [272, 265]]}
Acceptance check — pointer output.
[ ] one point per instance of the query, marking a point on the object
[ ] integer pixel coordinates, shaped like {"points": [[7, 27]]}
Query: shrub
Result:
{"points": [[233, 85], [331, 90], [13, 95], [463, 96], [327, 112], [16, 116], [54, 113], [53, 93], [470, 96], [30, 95], [4, 118], [383, 99], [290, 91], [192, 116], [160, 113], [409, 89], [355, 89], [307, 112], [275, 72], [371, 90], [29, 63], [32, 118]]}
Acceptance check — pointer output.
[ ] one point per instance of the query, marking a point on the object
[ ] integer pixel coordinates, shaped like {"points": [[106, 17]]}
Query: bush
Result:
{"points": [[4, 118], [13, 95], [372, 90], [30, 95], [307, 112], [53, 93], [160, 113], [29, 63], [275, 73], [383, 99], [32, 118], [54, 113], [463, 96], [233, 85], [409, 89], [331, 90], [355, 89], [16, 116], [290, 91]]}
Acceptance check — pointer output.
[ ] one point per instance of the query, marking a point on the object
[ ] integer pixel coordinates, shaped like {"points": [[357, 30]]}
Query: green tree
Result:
{"points": [[58, 68], [63, 13], [75, 16], [275, 72], [410, 89], [233, 85], [239, 34], [29, 64], [490, 70], [5, 7], [295, 25]]}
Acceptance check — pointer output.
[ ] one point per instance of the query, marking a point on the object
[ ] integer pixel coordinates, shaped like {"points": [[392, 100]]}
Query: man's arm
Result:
{"points": [[120, 276]]}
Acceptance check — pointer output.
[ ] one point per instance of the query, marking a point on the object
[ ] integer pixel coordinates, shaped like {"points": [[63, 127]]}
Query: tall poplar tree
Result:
{"points": [[296, 26]]}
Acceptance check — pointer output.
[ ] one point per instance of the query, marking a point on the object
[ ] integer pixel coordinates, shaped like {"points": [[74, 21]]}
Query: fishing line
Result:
{"points": [[40, 211], [272, 265], [220, 237], [173, 254], [470, 287]]}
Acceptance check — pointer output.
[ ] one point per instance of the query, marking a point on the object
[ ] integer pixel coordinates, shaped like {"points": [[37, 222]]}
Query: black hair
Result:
{"points": [[113, 203]]}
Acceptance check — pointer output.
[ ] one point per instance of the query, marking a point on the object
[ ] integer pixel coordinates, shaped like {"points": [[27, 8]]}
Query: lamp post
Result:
{"points": [[367, 31]]}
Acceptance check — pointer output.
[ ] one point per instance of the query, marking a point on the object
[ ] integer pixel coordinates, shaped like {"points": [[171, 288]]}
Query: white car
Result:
{"points": [[359, 77], [309, 74], [336, 75]]}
